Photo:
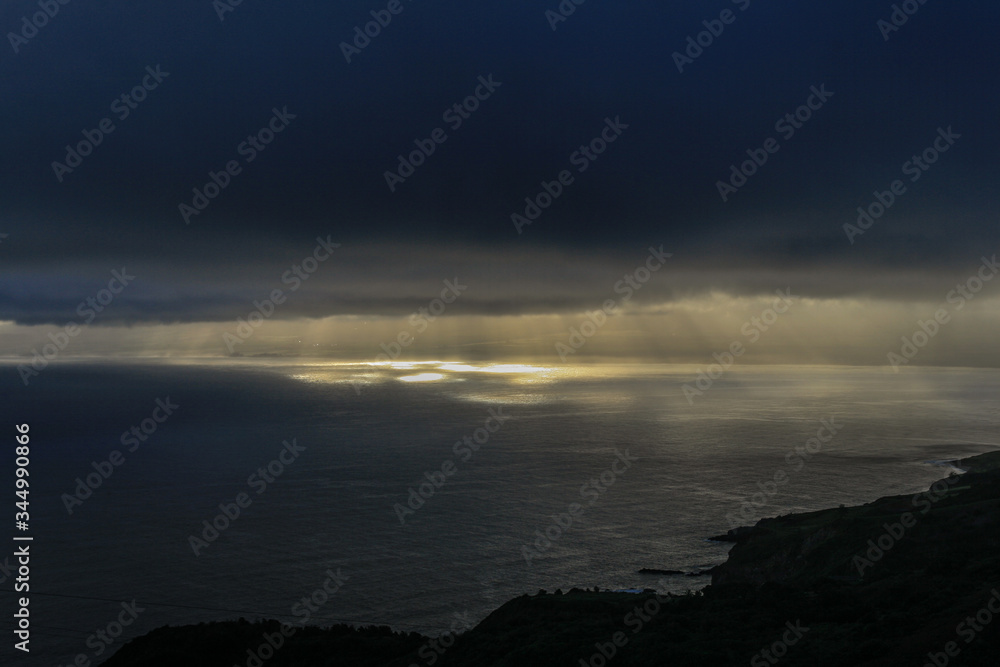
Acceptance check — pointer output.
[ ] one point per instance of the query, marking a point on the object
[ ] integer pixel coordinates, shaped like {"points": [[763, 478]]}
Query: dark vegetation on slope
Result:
{"points": [[886, 583]]}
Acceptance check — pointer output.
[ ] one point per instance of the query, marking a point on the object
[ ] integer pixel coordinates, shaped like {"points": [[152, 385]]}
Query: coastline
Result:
{"points": [[887, 582]]}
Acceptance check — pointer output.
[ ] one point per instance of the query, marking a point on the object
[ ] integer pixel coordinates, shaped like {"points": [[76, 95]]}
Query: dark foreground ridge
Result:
{"points": [[905, 580]]}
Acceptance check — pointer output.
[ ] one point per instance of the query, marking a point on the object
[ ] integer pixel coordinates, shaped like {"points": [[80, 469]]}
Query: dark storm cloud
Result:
{"points": [[323, 174], [221, 283]]}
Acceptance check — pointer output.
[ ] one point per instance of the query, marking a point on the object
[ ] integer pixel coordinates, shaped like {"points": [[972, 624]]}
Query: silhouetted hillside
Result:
{"points": [[899, 581]]}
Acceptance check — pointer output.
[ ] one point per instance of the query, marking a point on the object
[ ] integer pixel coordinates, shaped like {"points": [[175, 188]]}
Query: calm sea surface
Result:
{"points": [[371, 434]]}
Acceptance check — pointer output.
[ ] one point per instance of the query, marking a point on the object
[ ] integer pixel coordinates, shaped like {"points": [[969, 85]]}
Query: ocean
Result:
{"points": [[430, 493]]}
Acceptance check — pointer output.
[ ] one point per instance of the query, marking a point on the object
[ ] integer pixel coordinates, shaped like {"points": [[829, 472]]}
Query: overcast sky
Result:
{"points": [[643, 125]]}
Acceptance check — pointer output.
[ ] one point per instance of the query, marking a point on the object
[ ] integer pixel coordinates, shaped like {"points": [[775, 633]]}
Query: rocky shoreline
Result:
{"points": [[903, 580]]}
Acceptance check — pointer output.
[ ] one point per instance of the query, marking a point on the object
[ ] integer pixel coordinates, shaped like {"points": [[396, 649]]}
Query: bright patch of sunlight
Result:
{"points": [[422, 377]]}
